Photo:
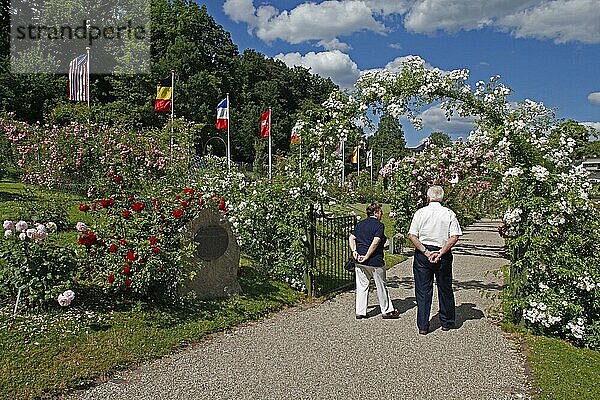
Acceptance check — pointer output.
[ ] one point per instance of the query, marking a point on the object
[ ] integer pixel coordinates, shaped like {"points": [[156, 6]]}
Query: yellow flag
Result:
{"points": [[354, 158]]}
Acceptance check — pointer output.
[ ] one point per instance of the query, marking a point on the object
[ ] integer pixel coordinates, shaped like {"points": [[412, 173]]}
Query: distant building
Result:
{"points": [[592, 166], [417, 149]]}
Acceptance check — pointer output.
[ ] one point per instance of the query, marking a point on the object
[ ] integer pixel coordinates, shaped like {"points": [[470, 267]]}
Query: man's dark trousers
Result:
{"points": [[424, 272]]}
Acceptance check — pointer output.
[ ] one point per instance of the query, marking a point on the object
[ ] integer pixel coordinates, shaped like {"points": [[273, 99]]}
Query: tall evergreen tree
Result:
{"points": [[388, 140]]}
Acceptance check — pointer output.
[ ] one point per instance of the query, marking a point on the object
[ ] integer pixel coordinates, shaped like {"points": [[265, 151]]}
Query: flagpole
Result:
{"points": [[343, 161], [300, 156], [371, 166], [88, 78], [172, 98], [172, 107], [228, 138], [270, 163], [358, 160]]}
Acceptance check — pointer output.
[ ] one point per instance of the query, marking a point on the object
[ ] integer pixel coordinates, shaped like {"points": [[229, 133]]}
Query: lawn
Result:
{"points": [[562, 371]]}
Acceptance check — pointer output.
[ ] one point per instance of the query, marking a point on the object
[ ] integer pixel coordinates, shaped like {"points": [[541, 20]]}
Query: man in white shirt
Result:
{"points": [[434, 230]]}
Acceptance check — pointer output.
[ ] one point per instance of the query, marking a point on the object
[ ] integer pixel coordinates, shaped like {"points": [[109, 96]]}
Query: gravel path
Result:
{"points": [[323, 352]]}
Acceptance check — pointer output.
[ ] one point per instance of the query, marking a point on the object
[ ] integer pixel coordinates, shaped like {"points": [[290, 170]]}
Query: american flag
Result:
{"points": [[79, 84]]}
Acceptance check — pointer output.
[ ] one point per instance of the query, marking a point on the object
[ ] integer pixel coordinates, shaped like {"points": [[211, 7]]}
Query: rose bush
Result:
{"points": [[32, 260], [77, 153], [136, 248]]}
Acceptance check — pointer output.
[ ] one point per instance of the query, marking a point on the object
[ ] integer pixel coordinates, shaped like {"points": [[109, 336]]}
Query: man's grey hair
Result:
{"points": [[435, 193]]}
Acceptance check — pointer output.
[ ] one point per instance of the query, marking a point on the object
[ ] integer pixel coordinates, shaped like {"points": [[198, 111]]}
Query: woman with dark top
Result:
{"points": [[367, 242]]}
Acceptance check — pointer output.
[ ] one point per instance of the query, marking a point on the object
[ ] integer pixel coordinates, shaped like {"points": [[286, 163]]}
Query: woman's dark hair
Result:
{"points": [[373, 208]]}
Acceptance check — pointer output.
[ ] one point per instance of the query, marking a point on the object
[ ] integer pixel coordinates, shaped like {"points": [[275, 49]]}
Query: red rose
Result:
{"points": [[161, 269], [127, 282], [88, 239], [184, 204], [153, 240], [110, 278], [106, 202], [131, 256], [123, 242], [214, 196], [155, 250], [201, 202], [222, 205], [118, 179], [188, 191], [137, 206], [178, 197], [84, 207], [126, 214], [178, 213], [130, 198], [126, 270], [113, 248]]}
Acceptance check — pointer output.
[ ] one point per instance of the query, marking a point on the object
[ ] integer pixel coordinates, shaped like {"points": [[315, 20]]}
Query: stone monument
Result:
{"points": [[215, 260]]}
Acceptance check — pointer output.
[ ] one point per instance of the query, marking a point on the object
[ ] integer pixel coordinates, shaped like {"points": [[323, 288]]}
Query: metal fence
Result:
{"points": [[328, 250]]}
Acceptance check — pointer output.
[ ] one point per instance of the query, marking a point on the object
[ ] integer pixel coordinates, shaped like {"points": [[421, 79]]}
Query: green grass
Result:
{"points": [[51, 360], [562, 371], [19, 199]]}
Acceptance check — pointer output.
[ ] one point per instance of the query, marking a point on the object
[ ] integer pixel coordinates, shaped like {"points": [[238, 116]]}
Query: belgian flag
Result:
{"points": [[164, 95]]}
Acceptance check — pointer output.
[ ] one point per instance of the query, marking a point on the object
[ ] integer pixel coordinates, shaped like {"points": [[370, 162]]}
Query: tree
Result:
{"points": [[388, 140], [440, 139]]}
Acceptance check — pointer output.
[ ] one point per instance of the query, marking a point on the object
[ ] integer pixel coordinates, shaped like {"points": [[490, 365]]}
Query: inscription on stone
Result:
{"points": [[211, 242], [214, 263]]}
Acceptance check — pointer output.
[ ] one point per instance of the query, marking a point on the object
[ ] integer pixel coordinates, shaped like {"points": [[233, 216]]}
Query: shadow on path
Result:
{"points": [[402, 305], [475, 285], [464, 312]]}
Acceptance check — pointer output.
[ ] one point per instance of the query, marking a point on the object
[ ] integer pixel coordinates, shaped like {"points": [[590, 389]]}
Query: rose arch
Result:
{"points": [[520, 153]]}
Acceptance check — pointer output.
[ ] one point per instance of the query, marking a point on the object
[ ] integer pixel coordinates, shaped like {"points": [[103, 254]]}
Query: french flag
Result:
{"points": [[222, 114]]}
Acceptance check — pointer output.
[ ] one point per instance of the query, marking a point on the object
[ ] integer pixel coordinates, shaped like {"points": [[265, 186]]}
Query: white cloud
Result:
{"points": [[240, 10], [594, 98], [428, 16], [561, 20], [308, 21], [434, 118], [331, 64], [334, 44], [595, 125], [396, 46], [558, 20]]}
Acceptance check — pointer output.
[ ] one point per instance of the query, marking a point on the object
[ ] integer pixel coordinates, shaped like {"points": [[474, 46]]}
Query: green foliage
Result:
{"points": [[207, 64], [440, 139], [552, 230], [387, 142], [64, 154], [40, 266]]}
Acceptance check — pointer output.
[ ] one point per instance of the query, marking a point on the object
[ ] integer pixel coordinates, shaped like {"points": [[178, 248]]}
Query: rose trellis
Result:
{"points": [[520, 151]]}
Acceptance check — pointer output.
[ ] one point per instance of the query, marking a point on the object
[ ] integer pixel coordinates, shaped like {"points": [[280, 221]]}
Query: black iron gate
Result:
{"points": [[328, 250]]}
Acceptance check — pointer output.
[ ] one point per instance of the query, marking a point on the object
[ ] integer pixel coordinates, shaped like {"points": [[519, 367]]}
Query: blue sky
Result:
{"points": [[545, 50]]}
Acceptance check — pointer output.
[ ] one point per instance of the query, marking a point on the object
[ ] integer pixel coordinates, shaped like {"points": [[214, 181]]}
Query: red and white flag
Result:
{"points": [[295, 136], [79, 83], [265, 124], [222, 114]]}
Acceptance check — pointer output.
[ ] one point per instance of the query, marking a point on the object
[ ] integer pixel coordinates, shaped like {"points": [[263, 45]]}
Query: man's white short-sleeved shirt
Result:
{"points": [[434, 224]]}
